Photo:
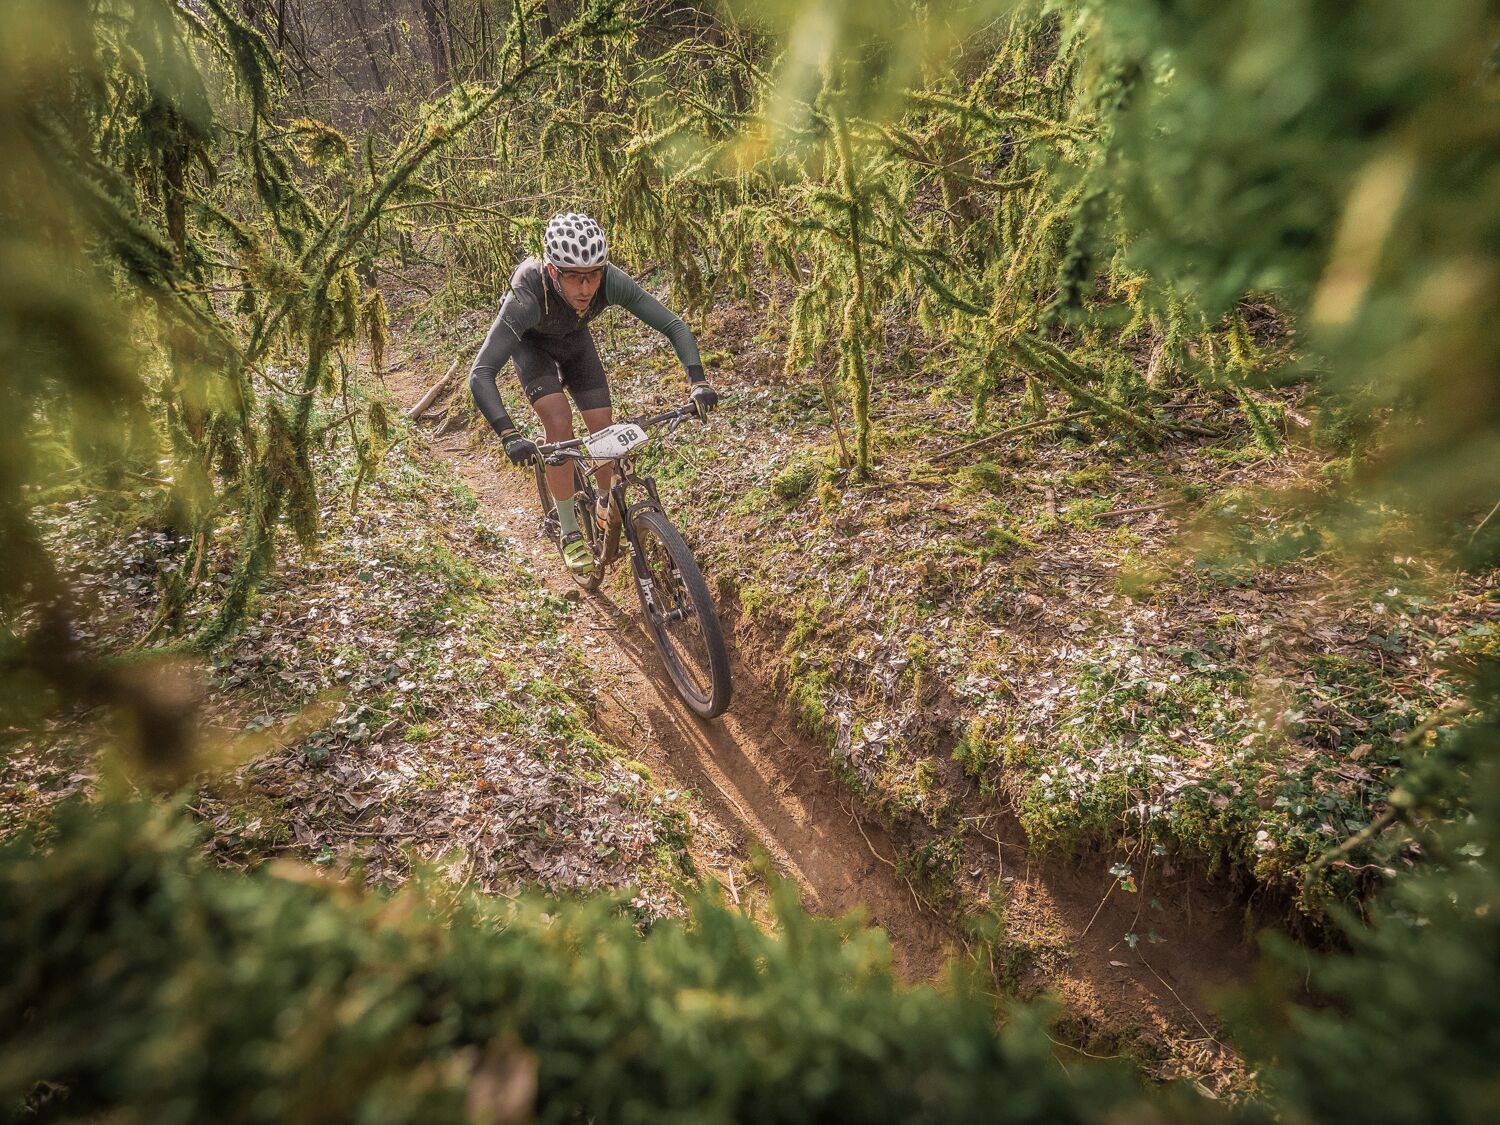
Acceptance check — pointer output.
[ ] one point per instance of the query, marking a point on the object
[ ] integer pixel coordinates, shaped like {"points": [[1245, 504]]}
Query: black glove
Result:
{"points": [[705, 398], [521, 450]]}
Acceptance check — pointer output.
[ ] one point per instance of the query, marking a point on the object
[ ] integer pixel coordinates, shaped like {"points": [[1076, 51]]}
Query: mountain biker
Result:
{"points": [[543, 324]]}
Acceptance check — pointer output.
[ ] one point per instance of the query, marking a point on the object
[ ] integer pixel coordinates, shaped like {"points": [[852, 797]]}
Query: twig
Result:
{"points": [[921, 902], [336, 423], [1484, 521], [1178, 998], [1021, 429], [406, 278], [198, 559], [1144, 508], [1112, 883], [1194, 429], [433, 392], [268, 377], [833, 416]]}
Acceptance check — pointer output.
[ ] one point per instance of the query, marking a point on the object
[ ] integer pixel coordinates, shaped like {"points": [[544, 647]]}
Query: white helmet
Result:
{"points": [[574, 242]]}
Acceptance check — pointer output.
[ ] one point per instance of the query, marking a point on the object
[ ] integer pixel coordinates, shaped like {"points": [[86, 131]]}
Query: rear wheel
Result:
{"points": [[583, 493], [680, 615]]}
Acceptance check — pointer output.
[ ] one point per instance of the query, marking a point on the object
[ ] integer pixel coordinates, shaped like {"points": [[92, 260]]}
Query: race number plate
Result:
{"points": [[615, 441]]}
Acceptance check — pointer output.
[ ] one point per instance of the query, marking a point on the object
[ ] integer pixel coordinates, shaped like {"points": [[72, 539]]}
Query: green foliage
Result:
{"points": [[146, 173], [1407, 1026], [142, 983], [795, 481]]}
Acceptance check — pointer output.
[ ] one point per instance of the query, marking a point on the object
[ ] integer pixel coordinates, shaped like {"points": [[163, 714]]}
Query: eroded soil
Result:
{"points": [[1064, 923]]}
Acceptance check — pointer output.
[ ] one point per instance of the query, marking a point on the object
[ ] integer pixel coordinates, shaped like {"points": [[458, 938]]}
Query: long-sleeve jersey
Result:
{"points": [[536, 310]]}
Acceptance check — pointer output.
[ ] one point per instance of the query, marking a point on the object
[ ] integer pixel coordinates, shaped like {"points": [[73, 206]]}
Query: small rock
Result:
{"points": [[572, 595]]}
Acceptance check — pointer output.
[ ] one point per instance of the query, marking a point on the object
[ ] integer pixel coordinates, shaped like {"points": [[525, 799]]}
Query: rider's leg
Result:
{"points": [[557, 421], [541, 381], [583, 375], [596, 420]]}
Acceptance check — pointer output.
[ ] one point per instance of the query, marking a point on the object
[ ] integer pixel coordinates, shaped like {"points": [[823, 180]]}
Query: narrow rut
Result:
{"points": [[771, 787]]}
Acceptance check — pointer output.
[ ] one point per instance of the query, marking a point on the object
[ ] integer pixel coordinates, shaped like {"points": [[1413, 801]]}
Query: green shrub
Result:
{"points": [[143, 985], [1406, 1027]]}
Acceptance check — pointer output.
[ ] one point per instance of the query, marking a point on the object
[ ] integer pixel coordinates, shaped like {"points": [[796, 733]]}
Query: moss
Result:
{"points": [[936, 864], [805, 625], [807, 702], [752, 503], [257, 826], [978, 752], [795, 481], [1001, 541], [1087, 479], [907, 787], [755, 600], [987, 476]]}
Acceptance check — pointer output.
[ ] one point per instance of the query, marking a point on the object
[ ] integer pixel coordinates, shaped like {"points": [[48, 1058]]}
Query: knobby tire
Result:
{"points": [[692, 648]]}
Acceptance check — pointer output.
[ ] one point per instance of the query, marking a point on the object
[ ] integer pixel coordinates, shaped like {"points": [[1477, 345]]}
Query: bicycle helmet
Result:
{"points": [[574, 242]]}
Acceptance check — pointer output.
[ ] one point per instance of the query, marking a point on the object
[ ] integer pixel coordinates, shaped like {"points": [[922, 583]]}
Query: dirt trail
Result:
{"points": [[771, 788]]}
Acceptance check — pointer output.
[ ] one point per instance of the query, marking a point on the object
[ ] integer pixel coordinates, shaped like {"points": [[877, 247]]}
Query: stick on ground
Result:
{"points": [[433, 393]]}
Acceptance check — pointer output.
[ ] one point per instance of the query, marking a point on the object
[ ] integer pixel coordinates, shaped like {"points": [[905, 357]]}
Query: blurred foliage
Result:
{"points": [[1407, 1026], [185, 270], [181, 264], [1348, 161], [145, 986]]}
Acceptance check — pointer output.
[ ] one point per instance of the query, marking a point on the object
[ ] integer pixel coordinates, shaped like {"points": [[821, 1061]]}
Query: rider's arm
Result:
{"points": [[518, 312], [620, 289]]}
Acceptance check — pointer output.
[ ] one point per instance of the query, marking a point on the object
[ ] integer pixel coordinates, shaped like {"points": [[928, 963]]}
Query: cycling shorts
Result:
{"points": [[549, 365]]}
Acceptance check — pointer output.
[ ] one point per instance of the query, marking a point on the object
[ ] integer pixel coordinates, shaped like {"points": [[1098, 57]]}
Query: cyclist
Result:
{"points": [[543, 324]]}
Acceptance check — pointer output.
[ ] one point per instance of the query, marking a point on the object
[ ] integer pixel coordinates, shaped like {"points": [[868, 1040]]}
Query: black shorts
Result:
{"points": [[548, 365]]}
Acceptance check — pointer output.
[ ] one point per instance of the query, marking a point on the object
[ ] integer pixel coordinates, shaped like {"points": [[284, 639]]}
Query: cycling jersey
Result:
{"points": [[536, 324]]}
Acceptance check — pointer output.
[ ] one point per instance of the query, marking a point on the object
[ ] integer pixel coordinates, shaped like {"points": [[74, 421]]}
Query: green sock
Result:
{"points": [[567, 517]]}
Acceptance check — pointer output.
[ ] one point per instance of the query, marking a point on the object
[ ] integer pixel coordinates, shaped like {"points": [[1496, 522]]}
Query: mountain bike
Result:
{"points": [[679, 612]]}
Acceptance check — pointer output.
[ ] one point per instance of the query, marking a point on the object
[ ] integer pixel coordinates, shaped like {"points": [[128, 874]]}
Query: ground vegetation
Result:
{"points": [[1107, 462]]}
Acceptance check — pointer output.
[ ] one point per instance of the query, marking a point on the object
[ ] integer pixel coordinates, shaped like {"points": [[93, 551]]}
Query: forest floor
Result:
{"points": [[1151, 656], [1048, 924], [1105, 704], [1076, 710], [408, 691]]}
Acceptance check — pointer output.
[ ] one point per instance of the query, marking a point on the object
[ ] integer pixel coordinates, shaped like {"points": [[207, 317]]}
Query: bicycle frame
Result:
{"points": [[622, 515], [678, 605]]}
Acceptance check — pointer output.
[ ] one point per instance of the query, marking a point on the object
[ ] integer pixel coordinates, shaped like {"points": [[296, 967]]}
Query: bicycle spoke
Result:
{"points": [[677, 621]]}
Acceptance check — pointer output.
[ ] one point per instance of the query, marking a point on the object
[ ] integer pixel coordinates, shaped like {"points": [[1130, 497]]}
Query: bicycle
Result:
{"points": [[679, 611]]}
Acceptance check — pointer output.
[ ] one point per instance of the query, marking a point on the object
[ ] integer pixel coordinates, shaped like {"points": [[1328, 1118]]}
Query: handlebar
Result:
{"points": [[673, 418]]}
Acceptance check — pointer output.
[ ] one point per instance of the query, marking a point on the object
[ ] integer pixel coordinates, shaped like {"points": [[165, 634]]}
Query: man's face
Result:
{"points": [[577, 286]]}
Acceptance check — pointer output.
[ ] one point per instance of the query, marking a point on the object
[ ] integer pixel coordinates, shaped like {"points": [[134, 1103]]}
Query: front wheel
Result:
{"points": [[680, 615]]}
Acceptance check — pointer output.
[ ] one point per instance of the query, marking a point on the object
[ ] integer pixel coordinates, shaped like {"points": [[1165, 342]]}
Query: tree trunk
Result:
{"points": [[361, 17], [555, 16], [435, 44]]}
